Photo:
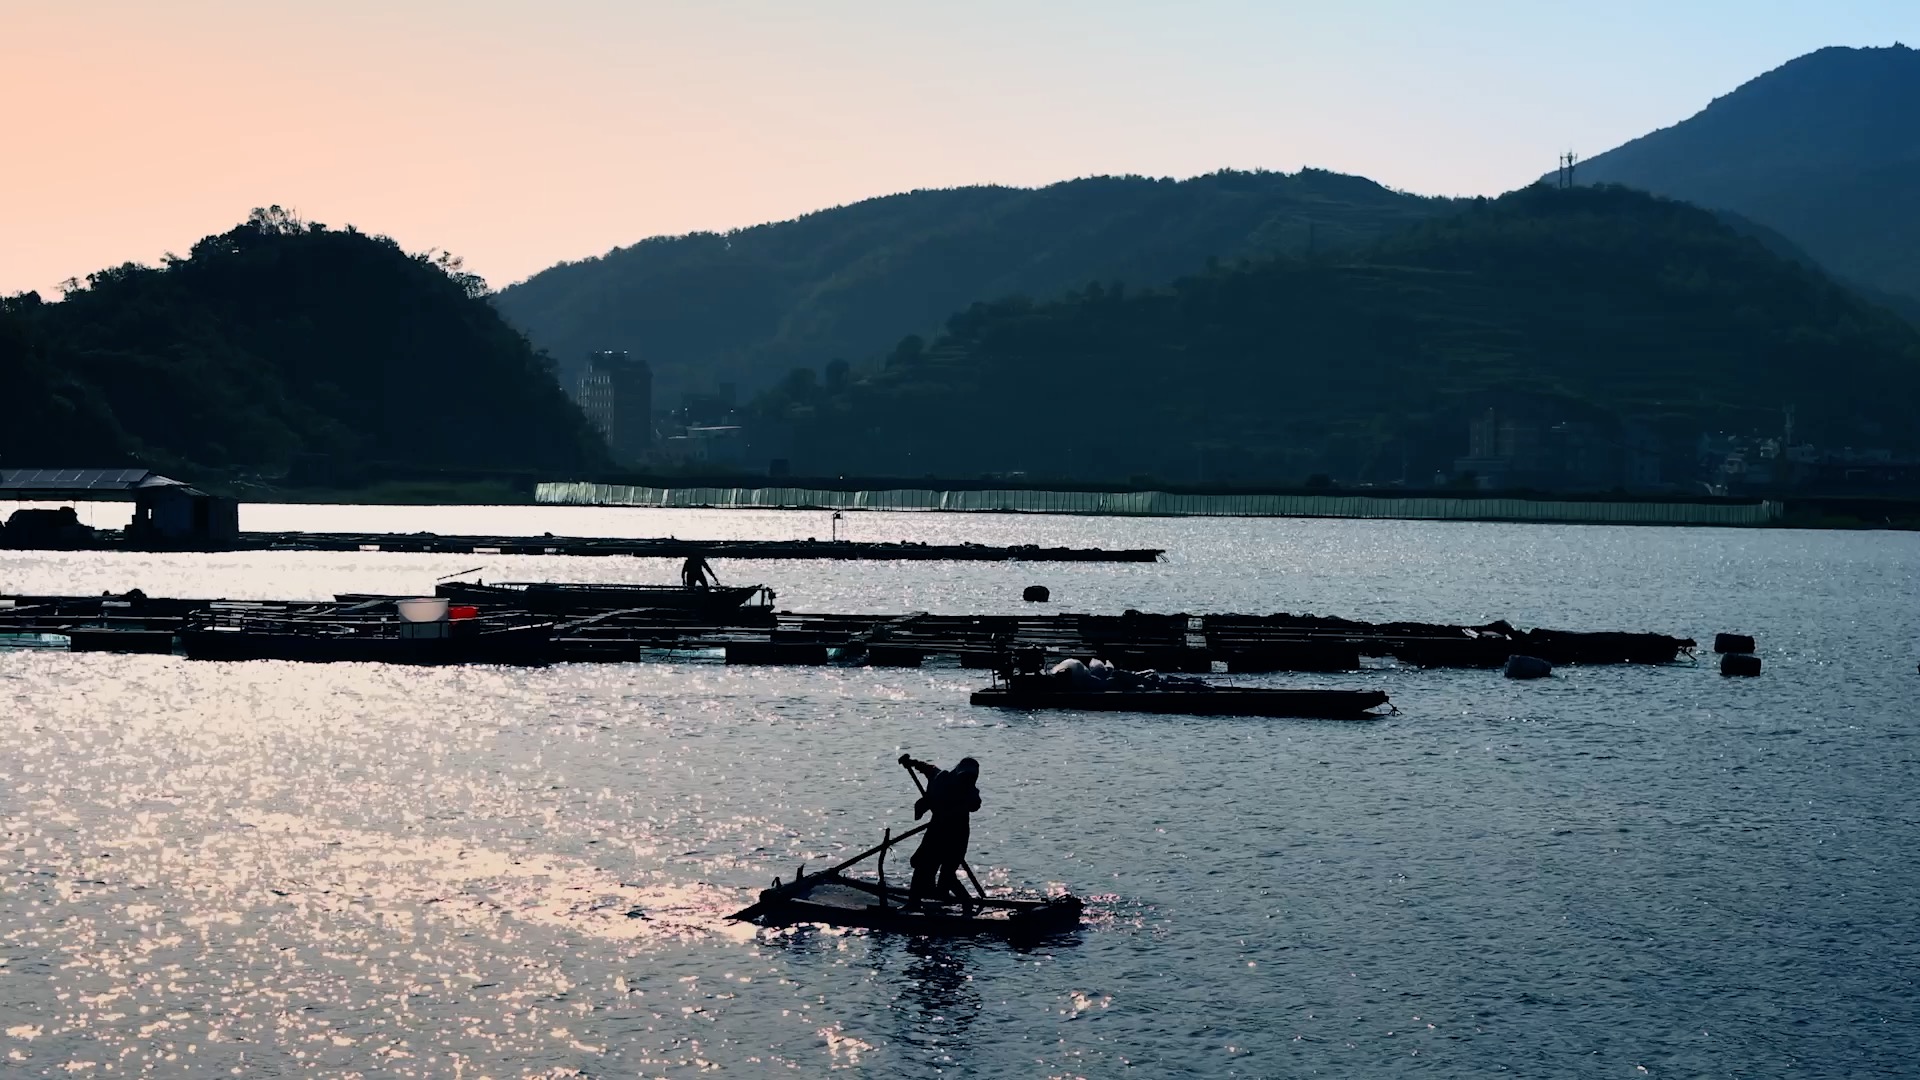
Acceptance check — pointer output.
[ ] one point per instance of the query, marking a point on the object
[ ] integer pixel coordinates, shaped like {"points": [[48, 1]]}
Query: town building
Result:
{"points": [[616, 394], [1512, 448]]}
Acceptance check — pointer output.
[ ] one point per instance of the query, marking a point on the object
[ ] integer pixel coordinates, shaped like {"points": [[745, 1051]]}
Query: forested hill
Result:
{"points": [[747, 306], [278, 340], [1824, 149], [1602, 307]]}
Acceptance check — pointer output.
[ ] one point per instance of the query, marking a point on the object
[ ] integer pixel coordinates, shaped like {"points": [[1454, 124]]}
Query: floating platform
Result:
{"points": [[118, 639], [365, 633], [1027, 694], [647, 548], [753, 634]]}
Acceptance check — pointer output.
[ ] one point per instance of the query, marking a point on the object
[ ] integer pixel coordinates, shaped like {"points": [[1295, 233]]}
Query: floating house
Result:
{"points": [[167, 513]]}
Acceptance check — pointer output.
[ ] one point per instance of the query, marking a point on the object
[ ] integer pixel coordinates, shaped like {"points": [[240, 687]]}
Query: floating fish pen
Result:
{"points": [[644, 548], [375, 631], [579, 624], [1169, 643]]}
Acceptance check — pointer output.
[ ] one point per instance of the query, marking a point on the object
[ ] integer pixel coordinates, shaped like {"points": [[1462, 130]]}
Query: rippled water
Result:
{"points": [[280, 868]]}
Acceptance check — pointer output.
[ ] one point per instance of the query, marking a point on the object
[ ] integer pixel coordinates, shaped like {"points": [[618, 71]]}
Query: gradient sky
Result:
{"points": [[518, 134]]}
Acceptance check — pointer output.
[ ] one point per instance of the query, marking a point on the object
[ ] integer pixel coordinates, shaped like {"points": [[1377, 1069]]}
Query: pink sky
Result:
{"points": [[521, 134]]}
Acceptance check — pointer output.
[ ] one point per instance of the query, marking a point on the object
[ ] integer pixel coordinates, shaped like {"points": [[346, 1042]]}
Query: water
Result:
{"points": [[279, 869]]}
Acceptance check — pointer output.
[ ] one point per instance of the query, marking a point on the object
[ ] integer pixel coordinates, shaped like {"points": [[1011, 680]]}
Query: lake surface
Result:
{"points": [[355, 869]]}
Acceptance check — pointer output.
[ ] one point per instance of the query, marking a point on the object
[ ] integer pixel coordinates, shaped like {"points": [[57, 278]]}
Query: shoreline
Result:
{"points": [[1778, 511]]}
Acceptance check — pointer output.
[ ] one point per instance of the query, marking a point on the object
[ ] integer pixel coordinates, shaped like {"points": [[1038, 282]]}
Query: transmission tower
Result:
{"points": [[1565, 173]]}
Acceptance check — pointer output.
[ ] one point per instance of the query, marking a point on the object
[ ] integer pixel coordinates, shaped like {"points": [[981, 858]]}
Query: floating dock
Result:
{"points": [[649, 548], [1185, 643]]}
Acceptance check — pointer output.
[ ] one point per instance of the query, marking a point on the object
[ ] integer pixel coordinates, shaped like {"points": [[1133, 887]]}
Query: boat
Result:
{"points": [[566, 598], [324, 633], [1188, 697], [833, 898]]}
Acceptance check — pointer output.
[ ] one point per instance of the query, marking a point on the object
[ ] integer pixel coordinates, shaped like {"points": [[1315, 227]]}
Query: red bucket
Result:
{"points": [[462, 611]]}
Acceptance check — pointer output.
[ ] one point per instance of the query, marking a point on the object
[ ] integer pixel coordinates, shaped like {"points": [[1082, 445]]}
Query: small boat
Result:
{"points": [[567, 598], [832, 898], [1187, 698]]}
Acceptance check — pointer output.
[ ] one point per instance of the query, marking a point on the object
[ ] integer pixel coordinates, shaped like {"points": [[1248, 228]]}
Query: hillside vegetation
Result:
{"points": [[274, 342], [1601, 306], [1824, 149], [746, 306]]}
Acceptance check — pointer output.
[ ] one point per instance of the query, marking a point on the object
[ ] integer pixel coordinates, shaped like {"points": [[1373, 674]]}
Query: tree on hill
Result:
{"points": [[1604, 308], [747, 306], [279, 340]]}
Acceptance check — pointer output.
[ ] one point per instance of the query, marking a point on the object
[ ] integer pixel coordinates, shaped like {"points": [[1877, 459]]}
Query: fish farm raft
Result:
{"points": [[534, 624], [640, 548]]}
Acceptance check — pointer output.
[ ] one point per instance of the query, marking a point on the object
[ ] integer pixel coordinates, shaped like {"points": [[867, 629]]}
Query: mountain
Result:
{"points": [[1601, 317], [747, 306], [1823, 149], [279, 342]]}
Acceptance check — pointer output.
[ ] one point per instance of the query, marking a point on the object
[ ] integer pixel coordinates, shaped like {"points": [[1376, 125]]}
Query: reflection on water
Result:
{"points": [[354, 869], [940, 1002]]}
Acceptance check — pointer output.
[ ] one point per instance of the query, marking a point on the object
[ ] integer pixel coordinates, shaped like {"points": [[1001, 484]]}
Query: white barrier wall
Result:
{"points": [[1160, 503]]}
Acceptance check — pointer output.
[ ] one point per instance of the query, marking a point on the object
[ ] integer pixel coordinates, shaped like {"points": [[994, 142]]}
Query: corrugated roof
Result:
{"points": [[104, 481]]}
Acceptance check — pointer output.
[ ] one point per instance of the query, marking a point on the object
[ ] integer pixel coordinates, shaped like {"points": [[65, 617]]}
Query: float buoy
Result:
{"points": [[1527, 667], [1732, 643]]}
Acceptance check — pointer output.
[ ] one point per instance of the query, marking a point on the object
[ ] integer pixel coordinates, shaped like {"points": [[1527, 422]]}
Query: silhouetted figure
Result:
{"points": [[696, 574], [951, 797]]}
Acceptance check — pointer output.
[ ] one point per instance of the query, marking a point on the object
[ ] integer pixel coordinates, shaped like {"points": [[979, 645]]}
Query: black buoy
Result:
{"points": [[1732, 643], [1036, 594], [1527, 667], [1739, 664]]}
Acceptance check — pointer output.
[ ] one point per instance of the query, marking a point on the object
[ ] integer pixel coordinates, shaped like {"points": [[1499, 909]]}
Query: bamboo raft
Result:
{"points": [[834, 898]]}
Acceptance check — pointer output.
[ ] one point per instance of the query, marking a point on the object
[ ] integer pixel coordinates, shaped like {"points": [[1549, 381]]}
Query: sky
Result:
{"points": [[520, 134]]}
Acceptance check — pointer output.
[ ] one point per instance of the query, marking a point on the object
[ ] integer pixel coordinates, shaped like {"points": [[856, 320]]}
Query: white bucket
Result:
{"points": [[424, 609]]}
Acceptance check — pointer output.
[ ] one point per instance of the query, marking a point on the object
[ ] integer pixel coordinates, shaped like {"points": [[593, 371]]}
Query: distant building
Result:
{"points": [[1533, 449], [616, 394], [1501, 452], [712, 444]]}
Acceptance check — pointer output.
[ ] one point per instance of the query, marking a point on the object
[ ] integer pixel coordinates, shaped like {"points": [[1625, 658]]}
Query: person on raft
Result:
{"points": [[696, 574], [951, 797]]}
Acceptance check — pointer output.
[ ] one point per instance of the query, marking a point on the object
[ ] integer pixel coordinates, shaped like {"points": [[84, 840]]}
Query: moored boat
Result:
{"points": [[571, 598]]}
